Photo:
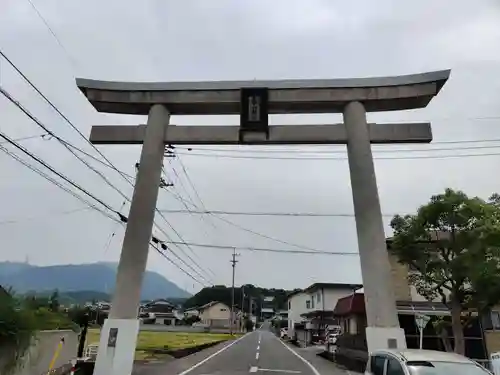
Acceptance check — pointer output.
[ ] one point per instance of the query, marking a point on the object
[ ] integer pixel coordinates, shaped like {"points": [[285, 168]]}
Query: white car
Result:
{"points": [[284, 333], [421, 362]]}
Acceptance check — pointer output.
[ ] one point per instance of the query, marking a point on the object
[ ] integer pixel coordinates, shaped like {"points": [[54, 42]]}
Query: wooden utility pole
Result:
{"points": [[233, 264]]}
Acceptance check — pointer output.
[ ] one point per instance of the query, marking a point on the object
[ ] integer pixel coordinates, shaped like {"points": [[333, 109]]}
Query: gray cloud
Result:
{"points": [[200, 40]]}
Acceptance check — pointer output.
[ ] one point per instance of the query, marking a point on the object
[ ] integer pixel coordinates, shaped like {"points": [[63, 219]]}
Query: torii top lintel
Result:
{"points": [[285, 96]]}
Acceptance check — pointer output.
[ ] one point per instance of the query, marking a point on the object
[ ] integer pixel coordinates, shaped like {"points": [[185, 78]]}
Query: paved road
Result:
{"points": [[258, 352]]}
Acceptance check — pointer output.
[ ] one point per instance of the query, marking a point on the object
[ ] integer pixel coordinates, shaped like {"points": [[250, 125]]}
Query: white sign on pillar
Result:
{"points": [[421, 321], [495, 363]]}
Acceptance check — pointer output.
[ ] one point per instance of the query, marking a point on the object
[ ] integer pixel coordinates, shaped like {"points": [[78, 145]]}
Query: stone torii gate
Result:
{"points": [[254, 101]]}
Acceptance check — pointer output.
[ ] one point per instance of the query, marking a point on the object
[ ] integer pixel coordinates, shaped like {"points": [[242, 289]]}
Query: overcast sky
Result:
{"points": [[167, 40]]}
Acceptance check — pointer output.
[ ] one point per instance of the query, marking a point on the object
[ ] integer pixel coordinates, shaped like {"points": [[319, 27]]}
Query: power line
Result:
{"points": [[62, 176], [60, 213], [63, 142], [263, 249], [25, 138], [52, 32], [176, 265], [57, 183], [256, 157], [245, 213], [288, 150], [54, 107], [123, 219]]}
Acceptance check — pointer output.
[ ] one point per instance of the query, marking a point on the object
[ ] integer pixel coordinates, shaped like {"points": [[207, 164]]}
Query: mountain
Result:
{"points": [[95, 277]]}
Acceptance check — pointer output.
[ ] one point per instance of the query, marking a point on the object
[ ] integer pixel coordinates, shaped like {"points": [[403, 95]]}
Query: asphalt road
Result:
{"points": [[257, 352]]}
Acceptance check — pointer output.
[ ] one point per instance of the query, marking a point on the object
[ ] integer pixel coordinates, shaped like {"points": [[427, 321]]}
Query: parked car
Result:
{"points": [[421, 362], [284, 333]]}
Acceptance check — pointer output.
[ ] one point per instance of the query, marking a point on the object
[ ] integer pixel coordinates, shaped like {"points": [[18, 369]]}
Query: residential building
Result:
{"points": [[267, 308], [482, 335], [193, 311], [162, 310], [296, 307], [310, 311], [215, 314]]}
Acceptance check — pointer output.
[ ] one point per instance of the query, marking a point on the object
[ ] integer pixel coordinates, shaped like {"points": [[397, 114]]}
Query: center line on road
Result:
{"points": [[258, 347], [257, 355]]}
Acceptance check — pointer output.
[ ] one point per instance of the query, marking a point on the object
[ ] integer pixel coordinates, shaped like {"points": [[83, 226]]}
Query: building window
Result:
{"points": [[308, 304], [223, 309], [319, 297], [289, 305], [312, 302]]}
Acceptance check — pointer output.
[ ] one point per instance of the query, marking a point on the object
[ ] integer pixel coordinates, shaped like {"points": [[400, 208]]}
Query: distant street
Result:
{"points": [[257, 352]]}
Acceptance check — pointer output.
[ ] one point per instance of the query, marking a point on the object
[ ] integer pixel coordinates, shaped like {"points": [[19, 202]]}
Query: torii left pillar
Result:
{"points": [[119, 332]]}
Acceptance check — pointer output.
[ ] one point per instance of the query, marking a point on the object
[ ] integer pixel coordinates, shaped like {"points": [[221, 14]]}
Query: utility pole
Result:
{"points": [[233, 264]]}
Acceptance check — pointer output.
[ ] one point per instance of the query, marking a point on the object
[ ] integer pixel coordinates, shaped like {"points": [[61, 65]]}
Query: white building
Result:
{"points": [[314, 307]]}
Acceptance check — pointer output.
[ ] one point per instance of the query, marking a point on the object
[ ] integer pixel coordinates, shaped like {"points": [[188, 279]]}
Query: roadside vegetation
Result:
{"points": [[21, 317], [156, 344]]}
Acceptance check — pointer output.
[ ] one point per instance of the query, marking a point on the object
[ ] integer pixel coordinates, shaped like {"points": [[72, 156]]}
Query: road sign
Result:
{"points": [[421, 320]]}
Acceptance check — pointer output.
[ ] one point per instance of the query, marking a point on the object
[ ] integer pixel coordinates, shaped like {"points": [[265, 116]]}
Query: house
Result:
{"points": [[267, 308], [215, 314], [191, 312], [310, 311], [162, 310], [481, 338]]}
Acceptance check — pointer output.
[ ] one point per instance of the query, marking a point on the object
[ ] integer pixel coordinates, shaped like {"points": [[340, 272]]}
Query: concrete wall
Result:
{"points": [[297, 306], [40, 354]]}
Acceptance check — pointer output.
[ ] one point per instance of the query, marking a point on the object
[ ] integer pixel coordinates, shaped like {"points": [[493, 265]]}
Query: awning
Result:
{"points": [[422, 307]]}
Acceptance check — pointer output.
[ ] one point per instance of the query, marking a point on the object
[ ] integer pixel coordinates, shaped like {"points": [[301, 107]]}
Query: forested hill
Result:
{"points": [[223, 294]]}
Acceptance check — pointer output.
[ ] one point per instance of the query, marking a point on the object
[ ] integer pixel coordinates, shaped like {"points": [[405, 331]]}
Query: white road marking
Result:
{"points": [[258, 347], [313, 369], [254, 369], [213, 355], [277, 370], [257, 355]]}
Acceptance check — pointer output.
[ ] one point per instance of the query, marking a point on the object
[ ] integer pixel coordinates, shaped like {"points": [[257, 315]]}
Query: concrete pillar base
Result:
{"points": [[117, 360], [385, 338]]}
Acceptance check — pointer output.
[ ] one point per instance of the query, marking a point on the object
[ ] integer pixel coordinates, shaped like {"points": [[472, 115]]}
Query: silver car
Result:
{"points": [[421, 362]]}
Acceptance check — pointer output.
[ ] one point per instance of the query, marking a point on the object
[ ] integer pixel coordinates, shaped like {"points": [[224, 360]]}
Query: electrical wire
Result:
{"points": [[63, 142], [320, 151], [21, 139], [256, 157], [56, 183], [282, 251], [247, 213], [60, 175], [83, 200], [52, 32], [23, 220], [152, 244]]}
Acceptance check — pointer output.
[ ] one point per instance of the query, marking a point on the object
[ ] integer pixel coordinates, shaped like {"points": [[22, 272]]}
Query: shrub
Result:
{"points": [[17, 329]]}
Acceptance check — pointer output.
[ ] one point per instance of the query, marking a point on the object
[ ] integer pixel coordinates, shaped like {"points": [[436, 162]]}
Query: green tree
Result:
{"points": [[54, 301], [453, 242]]}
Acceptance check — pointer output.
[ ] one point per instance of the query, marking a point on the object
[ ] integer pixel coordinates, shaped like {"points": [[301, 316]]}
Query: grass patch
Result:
{"points": [[148, 341]]}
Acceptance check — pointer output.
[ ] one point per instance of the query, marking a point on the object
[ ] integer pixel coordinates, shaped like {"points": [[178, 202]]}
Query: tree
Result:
{"points": [[453, 242], [54, 301]]}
